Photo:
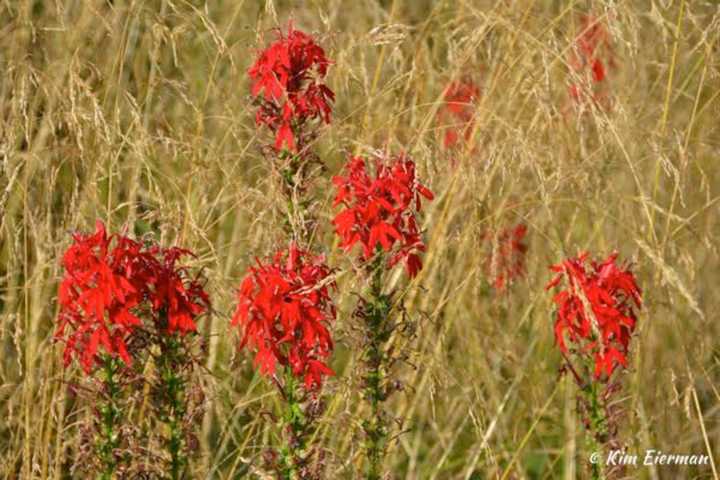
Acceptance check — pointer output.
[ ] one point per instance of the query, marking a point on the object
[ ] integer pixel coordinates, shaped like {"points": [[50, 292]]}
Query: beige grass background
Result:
{"points": [[137, 113]]}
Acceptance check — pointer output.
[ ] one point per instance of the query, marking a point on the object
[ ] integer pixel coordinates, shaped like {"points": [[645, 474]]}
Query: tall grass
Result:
{"points": [[138, 113]]}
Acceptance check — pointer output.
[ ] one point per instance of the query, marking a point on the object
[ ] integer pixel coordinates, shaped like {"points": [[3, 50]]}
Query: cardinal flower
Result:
{"points": [[284, 310], [176, 297], [287, 81], [379, 211], [110, 286], [458, 111], [595, 311], [102, 286]]}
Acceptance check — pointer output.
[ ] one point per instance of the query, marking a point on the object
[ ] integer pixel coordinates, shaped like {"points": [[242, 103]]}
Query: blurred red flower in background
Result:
{"points": [[284, 309], [457, 114], [286, 79], [380, 210], [110, 284], [595, 310], [591, 57], [506, 260]]}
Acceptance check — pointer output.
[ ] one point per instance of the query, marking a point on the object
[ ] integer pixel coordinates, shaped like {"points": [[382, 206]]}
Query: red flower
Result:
{"points": [[596, 310], [176, 298], [591, 57], [458, 112], [284, 309], [109, 281], [506, 261], [379, 211], [100, 288], [286, 81]]}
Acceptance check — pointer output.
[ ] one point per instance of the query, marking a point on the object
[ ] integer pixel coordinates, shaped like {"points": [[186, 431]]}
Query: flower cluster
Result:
{"points": [[596, 309], [457, 113], [175, 298], [109, 282], [592, 57], [284, 309], [379, 211], [506, 262], [286, 80]]}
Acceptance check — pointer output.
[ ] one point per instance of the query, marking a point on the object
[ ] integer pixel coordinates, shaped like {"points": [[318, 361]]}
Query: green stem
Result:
{"points": [[378, 333], [294, 428], [109, 415], [173, 408], [597, 426]]}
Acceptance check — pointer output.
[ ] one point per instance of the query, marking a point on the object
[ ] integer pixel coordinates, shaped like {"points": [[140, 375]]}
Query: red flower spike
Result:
{"points": [[595, 311], [458, 112], [286, 79], [175, 296], [284, 310], [100, 288], [108, 281], [506, 262], [379, 211]]}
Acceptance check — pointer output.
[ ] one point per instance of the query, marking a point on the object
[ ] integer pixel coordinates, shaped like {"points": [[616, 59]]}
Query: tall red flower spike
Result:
{"points": [[379, 211], [286, 79], [284, 310], [458, 112], [592, 57], [110, 285], [596, 309], [506, 261]]}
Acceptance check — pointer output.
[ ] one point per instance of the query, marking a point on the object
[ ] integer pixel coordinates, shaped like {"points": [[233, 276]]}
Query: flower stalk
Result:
{"points": [[172, 406], [294, 427], [284, 306], [298, 425], [285, 310], [377, 332], [109, 416], [380, 204], [596, 314]]}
